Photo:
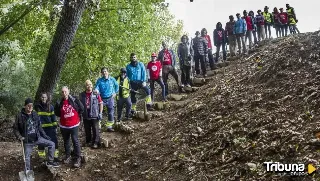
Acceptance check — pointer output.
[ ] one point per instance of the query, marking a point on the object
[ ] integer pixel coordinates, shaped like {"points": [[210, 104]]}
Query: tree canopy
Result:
{"points": [[109, 31]]}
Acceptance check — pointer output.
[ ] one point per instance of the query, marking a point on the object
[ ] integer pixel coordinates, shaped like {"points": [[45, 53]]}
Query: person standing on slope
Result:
{"points": [[108, 87], [200, 48], [69, 110], [276, 20], [293, 25], [49, 124], [137, 75], [250, 23], [92, 114], [154, 74], [254, 31], [291, 11], [283, 17], [168, 60], [210, 55], [240, 29], [268, 21], [123, 97], [219, 38], [27, 128], [230, 36], [185, 54], [259, 21]]}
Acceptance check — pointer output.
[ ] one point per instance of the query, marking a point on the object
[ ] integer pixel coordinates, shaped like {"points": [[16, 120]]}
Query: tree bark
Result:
{"points": [[65, 32]]}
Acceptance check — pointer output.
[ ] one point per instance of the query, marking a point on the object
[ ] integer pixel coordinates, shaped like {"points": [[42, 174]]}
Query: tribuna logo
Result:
{"points": [[286, 168]]}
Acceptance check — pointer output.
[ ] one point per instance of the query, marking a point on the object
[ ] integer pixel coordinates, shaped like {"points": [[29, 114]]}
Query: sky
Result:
{"points": [[207, 13]]}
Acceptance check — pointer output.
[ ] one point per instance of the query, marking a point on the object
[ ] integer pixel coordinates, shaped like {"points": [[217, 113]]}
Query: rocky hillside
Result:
{"points": [[262, 107]]}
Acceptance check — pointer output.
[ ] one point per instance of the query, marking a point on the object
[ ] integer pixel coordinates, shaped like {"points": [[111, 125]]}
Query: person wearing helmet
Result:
{"points": [[123, 96], [283, 18], [200, 48], [185, 54], [259, 21], [168, 60], [276, 20], [268, 21], [254, 31], [219, 38], [137, 75], [154, 74], [210, 55], [230, 37], [250, 23], [240, 30]]}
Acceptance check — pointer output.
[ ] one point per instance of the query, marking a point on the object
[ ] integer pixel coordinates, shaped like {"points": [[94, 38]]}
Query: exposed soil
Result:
{"points": [[252, 111]]}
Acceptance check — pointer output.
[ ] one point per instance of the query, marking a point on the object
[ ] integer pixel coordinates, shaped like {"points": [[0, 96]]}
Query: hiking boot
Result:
{"points": [[67, 160], [52, 164], [94, 146], [188, 85], [77, 163]]}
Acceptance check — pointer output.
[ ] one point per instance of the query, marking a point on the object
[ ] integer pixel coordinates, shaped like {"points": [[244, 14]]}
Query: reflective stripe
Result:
{"points": [[56, 153], [49, 124], [42, 153], [109, 124], [148, 99], [45, 113], [125, 92], [134, 107], [267, 17]]}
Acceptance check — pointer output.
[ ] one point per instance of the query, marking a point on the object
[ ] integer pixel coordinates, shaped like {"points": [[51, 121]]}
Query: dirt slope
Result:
{"points": [[249, 113]]}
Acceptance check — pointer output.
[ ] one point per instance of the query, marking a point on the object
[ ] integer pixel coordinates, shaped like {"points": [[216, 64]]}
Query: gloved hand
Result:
{"points": [[100, 116], [144, 84], [21, 138]]}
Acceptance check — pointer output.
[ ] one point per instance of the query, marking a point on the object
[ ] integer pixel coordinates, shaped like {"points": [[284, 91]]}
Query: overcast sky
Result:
{"points": [[206, 13]]}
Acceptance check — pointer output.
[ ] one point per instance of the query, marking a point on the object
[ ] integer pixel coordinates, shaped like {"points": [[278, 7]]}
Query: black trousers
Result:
{"points": [[185, 74], [74, 134], [200, 59], [91, 129]]}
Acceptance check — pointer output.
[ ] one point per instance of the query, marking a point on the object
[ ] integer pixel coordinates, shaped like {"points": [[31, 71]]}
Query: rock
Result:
{"points": [[142, 116], [252, 166], [176, 97], [188, 89], [198, 81], [159, 105]]}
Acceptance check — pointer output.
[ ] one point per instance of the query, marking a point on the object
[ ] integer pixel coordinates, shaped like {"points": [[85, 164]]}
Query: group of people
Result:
{"points": [[254, 28], [39, 126]]}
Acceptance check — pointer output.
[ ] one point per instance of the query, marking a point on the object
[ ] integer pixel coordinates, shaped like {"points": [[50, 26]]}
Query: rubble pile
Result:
{"points": [[263, 108]]}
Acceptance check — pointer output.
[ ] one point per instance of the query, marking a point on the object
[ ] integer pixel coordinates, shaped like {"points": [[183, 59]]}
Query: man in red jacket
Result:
{"points": [[250, 24], [154, 74], [69, 110], [283, 18]]}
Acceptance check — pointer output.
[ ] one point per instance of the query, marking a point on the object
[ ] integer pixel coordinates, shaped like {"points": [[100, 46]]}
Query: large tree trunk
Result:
{"points": [[65, 32]]}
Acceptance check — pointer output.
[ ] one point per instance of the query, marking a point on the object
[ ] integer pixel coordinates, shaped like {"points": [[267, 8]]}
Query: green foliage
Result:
{"points": [[109, 31]]}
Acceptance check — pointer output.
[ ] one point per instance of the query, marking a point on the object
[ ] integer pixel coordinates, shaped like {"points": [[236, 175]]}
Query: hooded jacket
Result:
{"points": [[20, 127], [219, 35], [185, 53], [200, 46], [136, 72], [250, 22], [240, 26]]}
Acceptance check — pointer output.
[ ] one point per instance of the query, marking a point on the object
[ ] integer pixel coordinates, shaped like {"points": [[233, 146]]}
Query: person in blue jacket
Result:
{"points": [[240, 30], [136, 72], [108, 88]]}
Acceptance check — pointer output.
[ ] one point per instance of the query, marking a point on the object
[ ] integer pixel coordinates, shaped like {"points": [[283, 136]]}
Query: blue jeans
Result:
{"points": [[52, 133], [109, 103], [163, 90], [120, 103], [28, 147]]}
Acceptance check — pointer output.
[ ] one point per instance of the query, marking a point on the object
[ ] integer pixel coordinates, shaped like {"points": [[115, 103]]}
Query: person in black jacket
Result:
{"points": [[219, 38], [48, 122], [185, 54], [200, 48], [27, 128]]}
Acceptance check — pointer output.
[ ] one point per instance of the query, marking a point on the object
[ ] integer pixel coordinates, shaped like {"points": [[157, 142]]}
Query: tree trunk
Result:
{"points": [[65, 32]]}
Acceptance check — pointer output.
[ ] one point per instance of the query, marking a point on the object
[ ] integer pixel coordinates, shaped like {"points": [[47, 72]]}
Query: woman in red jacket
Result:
{"points": [[283, 18]]}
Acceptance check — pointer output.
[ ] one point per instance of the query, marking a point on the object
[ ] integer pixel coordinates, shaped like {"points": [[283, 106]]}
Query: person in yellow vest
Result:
{"points": [[290, 11], [293, 25], [48, 122], [123, 96], [268, 21]]}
